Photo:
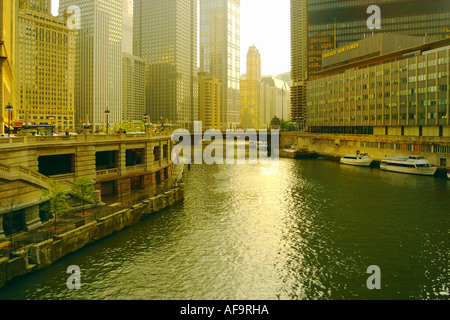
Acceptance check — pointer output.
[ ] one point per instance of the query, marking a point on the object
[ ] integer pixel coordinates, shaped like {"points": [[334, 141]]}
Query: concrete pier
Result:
{"points": [[435, 149]]}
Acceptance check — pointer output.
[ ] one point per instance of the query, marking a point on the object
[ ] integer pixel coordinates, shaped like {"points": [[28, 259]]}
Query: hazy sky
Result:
{"points": [[266, 24]]}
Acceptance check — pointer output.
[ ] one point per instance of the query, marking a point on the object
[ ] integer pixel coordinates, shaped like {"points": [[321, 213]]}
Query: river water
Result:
{"points": [[309, 232]]}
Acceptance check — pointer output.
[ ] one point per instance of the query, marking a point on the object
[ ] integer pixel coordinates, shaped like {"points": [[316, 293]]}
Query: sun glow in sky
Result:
{"points": [[265, 24]]}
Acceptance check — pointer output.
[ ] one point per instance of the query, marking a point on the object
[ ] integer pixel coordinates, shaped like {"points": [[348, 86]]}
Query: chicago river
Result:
{"points": [[309, 232]]}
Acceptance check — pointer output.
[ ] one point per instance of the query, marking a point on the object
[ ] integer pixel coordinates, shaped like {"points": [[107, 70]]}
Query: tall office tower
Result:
{"points": [[98, 82], [133, 92], [127, 35], [253, 64], [250, 89], [318, 26], [210, 101], [7, 92], [45, 67], [275, 94], [220, 52], [165, 36], [299, 62]]}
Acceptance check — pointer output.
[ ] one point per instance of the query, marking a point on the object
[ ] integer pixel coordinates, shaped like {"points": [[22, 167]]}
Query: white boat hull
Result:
{"points": [[416, 171], [358, 163]]}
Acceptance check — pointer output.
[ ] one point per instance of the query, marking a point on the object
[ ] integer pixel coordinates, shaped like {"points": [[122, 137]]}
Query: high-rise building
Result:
{"points": [[250, 89], [220, 52], [133, 92], [210, 101], [253, 64], [275, 99], [45, 67], [165, 36], [98, 81], [7, 92], [384, 85], [317, 26], [299, 62], [127, 35]]}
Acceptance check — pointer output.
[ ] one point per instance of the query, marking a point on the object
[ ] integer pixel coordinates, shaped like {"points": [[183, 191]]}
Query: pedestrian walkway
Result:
{"points": [[70, 221]]}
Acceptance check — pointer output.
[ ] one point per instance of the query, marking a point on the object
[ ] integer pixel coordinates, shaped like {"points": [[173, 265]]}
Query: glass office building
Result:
{"points": [[165, 36], [220, 52]]}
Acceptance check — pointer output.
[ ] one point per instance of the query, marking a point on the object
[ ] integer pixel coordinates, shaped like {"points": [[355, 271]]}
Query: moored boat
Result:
{"points": [[413, 165], [361, 160], [448, 175]]}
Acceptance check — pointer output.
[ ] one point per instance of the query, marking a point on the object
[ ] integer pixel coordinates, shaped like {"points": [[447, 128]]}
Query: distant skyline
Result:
{"points": [[266, 24]]}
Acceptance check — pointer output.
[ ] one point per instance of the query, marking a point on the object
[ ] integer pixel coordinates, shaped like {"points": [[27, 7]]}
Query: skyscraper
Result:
{"points": [[7, 31], [317, 26], [220, 52], [299, 52], [45, 67], [250, 89], [127, 35], [165, 36], [133, 92], [210, 101], [98, 84]]}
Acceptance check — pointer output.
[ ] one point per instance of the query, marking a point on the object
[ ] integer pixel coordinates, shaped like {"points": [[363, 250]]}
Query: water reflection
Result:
{"points": [[309, 232]]}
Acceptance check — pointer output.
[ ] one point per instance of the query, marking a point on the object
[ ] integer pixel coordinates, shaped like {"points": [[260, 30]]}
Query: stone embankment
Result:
{"points": [[41, 255]]}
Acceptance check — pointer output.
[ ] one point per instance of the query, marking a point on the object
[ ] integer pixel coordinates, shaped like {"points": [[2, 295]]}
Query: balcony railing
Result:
{"points": [[107, 172], [139, 167]]}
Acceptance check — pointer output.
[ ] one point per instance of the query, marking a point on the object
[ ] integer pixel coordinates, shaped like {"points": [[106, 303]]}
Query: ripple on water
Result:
{"points": [[309, 232]]}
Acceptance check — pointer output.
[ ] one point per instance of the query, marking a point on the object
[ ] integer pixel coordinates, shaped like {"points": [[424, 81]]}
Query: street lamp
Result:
{"points": [[107, 113], [10, 109]]}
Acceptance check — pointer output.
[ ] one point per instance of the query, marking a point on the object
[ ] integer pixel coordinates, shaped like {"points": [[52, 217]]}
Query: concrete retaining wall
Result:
{"points": [[38, 256]]}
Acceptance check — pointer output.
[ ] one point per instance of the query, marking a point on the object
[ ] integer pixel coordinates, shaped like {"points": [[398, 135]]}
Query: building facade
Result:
{"points": [[133, 88], [318, 25], [45, 68], [299, 60], [7, 93], [397, 93], [165, 36], [275, 100], [250, 90], [220, 53], [98, 69], [210, 101], [127, 34]]}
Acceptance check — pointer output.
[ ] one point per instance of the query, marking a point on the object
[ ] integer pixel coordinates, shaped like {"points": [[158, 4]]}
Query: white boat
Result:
{"points": [[361, 160], [413, 165], [448, 175]]}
